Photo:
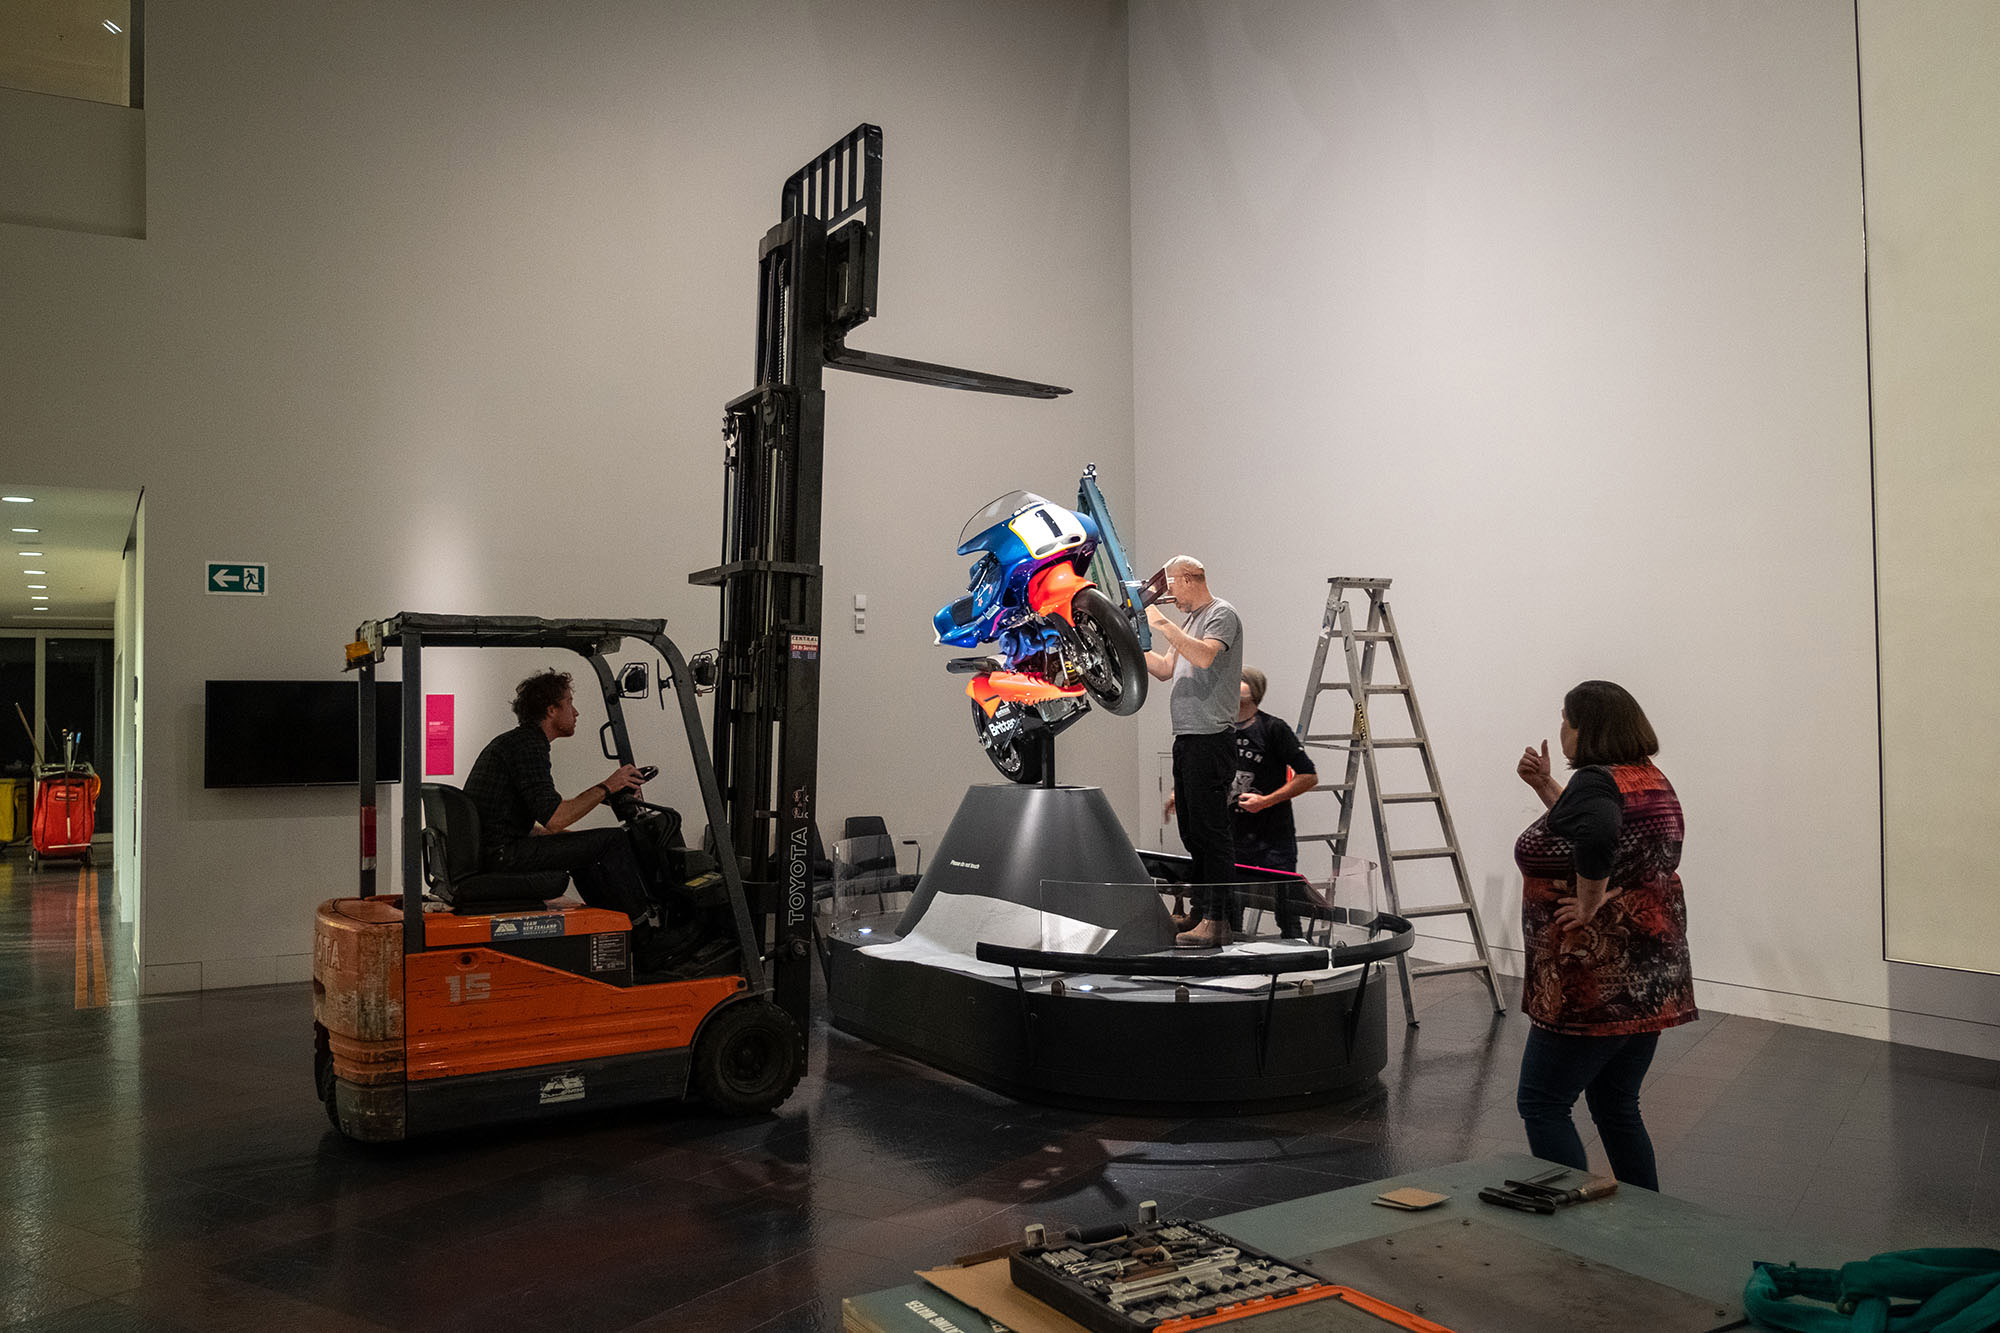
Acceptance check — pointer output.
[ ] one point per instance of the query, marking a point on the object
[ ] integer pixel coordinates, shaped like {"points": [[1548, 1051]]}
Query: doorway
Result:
{"points": [[71, 648], [53, 687]]}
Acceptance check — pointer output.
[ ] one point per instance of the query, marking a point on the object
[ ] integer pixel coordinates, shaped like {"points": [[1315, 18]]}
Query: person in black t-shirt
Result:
{"points": [[522, 817], [1271, 768]]}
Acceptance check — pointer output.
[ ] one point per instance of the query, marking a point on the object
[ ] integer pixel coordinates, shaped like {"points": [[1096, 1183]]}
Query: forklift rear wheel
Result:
{"points": [[746, 1060]]}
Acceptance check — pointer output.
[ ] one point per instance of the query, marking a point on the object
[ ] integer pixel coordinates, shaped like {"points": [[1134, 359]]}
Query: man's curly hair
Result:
{"points": [[535, 696]]}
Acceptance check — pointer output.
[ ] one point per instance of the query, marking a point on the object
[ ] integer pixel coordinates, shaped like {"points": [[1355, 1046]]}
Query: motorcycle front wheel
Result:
{"points": [[1019, 760], [1112, 665]]}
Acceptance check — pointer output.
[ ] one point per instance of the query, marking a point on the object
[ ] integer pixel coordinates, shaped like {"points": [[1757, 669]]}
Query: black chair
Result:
{"points": [[451, 861], [870, 866]]}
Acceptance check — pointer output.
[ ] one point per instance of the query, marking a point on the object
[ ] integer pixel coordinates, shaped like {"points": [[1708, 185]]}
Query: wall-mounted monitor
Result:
{"points": [[296, 733]]}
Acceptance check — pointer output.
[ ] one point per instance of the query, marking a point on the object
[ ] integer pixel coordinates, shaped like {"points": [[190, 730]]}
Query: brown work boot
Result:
{"points": [[1207, 935]]}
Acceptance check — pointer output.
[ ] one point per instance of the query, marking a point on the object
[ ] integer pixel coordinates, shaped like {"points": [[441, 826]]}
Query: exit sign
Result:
{"points": [[236, 578]]}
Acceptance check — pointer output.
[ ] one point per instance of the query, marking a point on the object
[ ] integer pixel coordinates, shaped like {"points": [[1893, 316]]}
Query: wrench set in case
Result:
{"points": [[1175, 1276]]}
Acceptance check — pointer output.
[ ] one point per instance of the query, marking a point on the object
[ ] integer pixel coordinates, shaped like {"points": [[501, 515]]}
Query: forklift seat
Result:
{"points": [[451, 861]]}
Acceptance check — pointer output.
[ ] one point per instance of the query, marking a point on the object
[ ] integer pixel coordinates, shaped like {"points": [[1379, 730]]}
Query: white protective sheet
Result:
{"points": [[1256, 980], [957, 923]]}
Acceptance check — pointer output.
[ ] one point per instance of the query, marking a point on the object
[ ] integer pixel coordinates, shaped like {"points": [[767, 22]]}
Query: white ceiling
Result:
{"points": [[81, 538]]}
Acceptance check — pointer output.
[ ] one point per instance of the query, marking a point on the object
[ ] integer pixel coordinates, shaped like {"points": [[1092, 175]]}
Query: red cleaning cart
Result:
{"points": [[65, 817]]}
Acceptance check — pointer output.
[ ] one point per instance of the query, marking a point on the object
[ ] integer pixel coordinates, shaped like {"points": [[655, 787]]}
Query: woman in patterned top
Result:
{"points": [[1605, 929]]}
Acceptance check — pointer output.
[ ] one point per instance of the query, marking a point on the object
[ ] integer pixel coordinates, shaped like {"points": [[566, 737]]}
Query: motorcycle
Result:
{"points": [[1063, 642]]}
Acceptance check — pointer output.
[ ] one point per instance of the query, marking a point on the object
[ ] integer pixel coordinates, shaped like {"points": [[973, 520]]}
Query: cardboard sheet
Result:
{"points": [[989, 1289]]}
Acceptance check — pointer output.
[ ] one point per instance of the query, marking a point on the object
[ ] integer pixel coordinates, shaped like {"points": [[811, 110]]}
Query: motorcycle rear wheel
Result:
{"points": [[1112, 664], [1018, 760]]}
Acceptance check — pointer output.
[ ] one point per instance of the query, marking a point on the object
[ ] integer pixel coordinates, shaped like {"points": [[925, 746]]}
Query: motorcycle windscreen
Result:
{"points": [[995, 515]]}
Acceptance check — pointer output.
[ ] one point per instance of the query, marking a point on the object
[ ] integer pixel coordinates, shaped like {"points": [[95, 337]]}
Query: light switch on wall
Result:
{"points": [[860, 613]]}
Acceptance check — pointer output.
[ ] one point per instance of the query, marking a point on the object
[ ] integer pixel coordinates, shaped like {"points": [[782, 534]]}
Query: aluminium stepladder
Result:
{"points": [[1360, 744]]}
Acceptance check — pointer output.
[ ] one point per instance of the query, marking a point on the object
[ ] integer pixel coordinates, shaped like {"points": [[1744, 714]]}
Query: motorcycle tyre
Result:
{"points": [[1026, 760], [1120, 643]]}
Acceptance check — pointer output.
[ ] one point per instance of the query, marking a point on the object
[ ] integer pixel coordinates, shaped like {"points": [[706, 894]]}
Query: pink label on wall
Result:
{"points": [[438, 749]]}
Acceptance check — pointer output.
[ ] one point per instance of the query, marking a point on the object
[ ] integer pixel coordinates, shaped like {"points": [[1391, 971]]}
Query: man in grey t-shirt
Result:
{"points": [[1204, 659]]}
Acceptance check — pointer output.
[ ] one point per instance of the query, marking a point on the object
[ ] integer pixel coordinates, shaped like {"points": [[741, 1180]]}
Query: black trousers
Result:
{"points": [[1608, 1071], [1288, 899], [600, 860], [1204, 768]]}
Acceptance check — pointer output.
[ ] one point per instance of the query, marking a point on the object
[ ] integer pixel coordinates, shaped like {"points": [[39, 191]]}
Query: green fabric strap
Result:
{"points": [[1958, 1291]]}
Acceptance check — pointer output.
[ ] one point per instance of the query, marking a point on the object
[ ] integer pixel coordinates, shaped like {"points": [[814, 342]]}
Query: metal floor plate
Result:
{"points": [[1475, 1278]]}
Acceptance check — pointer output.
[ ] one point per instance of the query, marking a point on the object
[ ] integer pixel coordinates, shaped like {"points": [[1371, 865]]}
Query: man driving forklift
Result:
{"points": [[523, 818]]}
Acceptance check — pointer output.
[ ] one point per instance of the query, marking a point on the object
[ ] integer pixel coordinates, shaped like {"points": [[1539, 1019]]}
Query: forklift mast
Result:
{"points": [[816, 282]]}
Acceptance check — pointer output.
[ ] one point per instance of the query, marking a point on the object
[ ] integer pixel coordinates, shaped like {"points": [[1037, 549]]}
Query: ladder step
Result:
{"points": [[1372, 636], [1401, 743], [1337, 788], [1406, 797], [1334, 740], [1423, 853], [1440, 969], [1449, 909], [1387, 689]]}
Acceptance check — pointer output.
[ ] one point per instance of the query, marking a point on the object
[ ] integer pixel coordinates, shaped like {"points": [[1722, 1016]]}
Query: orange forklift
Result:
{"points": [[488, 1001]]}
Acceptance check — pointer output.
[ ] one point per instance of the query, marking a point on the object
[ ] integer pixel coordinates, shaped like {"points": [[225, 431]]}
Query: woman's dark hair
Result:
{"points": [[1610, 726], [1255, 679], [535, 696]]}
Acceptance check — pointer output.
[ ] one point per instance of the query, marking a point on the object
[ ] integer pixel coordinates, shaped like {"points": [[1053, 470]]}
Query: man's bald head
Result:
{"points": [[1187, 580]]}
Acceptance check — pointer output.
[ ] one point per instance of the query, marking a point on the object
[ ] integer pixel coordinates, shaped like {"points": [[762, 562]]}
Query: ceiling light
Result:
{"points": [[29, 554], [28, 530], [109, 26], [39, 597], [34, 571], [38, 608], [38, 585], [18, 499]]}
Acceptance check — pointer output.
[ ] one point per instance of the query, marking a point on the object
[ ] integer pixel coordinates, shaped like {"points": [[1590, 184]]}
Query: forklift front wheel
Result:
{"points": [[748, 1058]]}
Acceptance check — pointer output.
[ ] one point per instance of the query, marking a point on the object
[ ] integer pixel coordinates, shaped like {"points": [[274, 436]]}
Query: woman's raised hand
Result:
{"points": [[1534, 766]]}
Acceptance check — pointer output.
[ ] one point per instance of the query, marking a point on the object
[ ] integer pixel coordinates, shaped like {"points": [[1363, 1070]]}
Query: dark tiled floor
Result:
{"points": [[167, 1167]]}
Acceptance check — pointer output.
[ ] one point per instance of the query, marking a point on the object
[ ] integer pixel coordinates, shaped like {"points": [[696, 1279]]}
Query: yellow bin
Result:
{"points": [[15, 795]]}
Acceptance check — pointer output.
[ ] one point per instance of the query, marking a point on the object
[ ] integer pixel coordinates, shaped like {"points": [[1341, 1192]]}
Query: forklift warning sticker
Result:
{"points": [[608, 952], [805, 645], [527, 927], [562, 1088]]}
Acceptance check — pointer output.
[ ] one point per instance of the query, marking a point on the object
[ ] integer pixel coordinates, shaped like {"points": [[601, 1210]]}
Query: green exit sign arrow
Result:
{"points": [[236, 578]]}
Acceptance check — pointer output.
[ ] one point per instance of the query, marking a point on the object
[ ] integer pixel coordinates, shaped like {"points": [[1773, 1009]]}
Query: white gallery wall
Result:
{"points": [[1553, 313], [437, 309]]}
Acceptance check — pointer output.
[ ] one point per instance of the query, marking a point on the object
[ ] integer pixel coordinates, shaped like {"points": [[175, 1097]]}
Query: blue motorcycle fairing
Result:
{"points": [[999, 579]]}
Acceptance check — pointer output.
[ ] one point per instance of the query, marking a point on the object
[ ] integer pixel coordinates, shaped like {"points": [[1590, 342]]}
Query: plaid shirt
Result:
{"points": [[511, 786]]}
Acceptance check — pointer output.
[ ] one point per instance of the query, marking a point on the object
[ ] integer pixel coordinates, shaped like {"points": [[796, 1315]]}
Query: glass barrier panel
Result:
{"points": [[866, 896]]}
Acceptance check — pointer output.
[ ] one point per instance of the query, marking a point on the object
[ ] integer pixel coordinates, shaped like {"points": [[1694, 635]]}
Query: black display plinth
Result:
{"points": [[1055, 849], [1108, 1041]]}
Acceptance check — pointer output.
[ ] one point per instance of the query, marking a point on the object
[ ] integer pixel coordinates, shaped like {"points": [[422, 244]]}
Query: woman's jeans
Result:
{"points": [[1607, 1071]]}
